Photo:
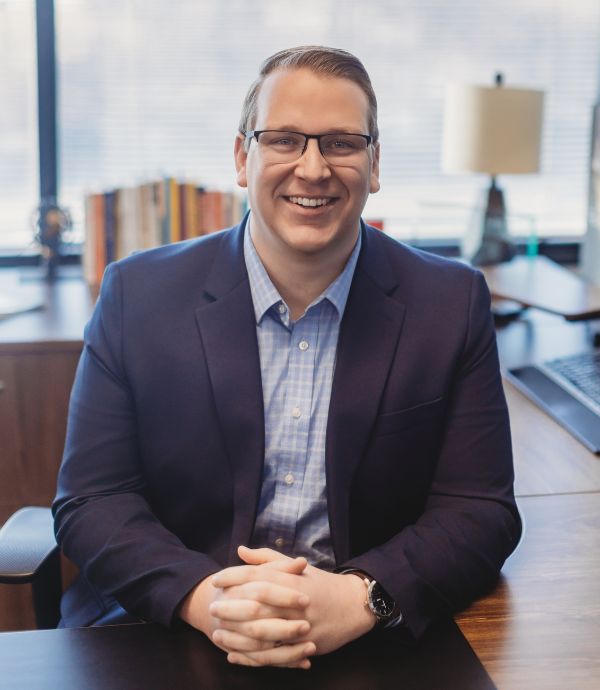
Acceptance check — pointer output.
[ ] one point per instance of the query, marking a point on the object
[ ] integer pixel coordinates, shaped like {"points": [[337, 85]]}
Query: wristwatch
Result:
{"points": [[379, 602]]}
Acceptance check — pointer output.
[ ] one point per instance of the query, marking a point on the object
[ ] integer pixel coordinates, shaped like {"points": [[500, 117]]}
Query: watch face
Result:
{"points": [[380, 602]]}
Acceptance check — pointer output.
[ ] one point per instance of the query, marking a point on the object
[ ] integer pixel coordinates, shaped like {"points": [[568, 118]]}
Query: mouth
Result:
{"points": [[311, 202]]}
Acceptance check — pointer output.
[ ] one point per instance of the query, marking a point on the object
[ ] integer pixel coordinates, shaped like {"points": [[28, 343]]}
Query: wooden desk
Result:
{"points": [[539, 282], [540, 627], [129, 657]]}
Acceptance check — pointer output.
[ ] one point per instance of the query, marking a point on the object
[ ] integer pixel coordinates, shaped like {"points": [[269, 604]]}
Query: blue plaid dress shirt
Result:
{"points": [[297, 360]]}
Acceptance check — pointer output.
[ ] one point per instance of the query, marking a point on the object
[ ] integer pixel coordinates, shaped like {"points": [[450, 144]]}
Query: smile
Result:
{"points": [[312, 202]]}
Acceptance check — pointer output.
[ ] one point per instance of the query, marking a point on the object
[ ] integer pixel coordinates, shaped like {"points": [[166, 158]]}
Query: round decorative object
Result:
{"points": [[50, 221]]}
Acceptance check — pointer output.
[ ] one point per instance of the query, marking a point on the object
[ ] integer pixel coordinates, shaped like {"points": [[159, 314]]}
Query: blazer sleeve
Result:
{"points": [[103, 520], [454, 552]]}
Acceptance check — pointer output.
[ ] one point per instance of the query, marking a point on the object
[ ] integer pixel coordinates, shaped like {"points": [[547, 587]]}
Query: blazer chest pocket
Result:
{"points": [[394, 422]]}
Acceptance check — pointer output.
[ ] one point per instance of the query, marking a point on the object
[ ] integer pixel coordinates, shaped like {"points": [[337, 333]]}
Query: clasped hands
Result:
{"points": [[277, 610]]}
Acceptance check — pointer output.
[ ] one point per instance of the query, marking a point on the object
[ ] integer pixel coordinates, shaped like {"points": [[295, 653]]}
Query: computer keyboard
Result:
{"points": [[582, 372], [568, 389]]}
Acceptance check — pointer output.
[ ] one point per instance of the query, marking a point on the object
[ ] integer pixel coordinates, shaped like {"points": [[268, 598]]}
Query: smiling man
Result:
{"points": [[294, 431], [307, 193]]}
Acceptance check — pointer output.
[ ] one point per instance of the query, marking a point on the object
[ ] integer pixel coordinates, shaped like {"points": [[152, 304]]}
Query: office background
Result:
{"points": [[147, 89]]}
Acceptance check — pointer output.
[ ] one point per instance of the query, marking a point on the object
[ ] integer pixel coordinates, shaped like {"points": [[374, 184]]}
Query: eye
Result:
{"points": [[281, 140], [341, 144]]}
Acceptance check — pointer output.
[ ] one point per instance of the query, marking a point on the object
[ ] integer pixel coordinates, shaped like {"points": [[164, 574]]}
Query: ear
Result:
{"points": [[374, 181], [241, 156]]}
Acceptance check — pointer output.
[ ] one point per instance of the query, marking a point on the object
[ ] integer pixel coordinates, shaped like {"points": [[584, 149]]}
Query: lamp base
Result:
{"points": [[496, 244]]}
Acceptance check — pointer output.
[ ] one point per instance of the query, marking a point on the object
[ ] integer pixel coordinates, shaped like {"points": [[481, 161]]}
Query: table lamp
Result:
{"points": [[494, 130]]}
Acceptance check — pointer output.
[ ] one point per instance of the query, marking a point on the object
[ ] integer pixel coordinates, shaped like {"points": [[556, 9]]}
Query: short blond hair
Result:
{"points": [[321, 60]]}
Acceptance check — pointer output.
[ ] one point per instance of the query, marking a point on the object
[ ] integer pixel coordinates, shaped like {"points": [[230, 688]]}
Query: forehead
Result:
{"points": [[313, 103]]}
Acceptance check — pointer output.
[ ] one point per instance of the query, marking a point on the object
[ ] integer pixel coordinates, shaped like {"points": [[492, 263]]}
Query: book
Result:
{"points": [[121, 221]]}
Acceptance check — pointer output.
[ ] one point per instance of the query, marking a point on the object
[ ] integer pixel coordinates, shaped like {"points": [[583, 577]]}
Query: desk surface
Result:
{"points": [[58, 325], [149, 657], [538, 282], [540, 627]]}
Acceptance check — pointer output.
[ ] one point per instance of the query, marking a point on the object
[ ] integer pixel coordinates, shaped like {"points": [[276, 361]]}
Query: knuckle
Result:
{"points": [[253, 629], [261, 657], [261, 589], [291, 632], [255, 608]]}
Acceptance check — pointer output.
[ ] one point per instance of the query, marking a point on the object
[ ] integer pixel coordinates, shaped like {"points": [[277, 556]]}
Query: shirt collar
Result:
{"points": [[265, 295]]}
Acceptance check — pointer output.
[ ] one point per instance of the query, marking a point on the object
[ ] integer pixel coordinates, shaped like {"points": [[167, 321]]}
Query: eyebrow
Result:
{"points": [[331, 130]]}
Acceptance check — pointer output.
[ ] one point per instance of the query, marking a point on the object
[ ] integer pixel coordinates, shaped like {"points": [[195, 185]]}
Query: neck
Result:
{"points": [[301, 285], [301, 277]]}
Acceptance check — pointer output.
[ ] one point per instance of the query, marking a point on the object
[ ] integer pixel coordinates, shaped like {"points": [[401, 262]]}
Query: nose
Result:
{"points": [[311, 165]]}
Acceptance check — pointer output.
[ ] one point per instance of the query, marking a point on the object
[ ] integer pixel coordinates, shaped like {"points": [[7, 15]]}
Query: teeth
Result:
{"points": [[304, 201]]}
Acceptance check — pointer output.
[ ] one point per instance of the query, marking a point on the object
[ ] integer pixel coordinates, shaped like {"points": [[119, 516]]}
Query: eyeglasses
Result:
{"points": [[286, 147]]}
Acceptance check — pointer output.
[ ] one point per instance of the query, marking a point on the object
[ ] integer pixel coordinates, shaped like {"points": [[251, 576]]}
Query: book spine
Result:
{"points": [[99, 237], [175, 211]]}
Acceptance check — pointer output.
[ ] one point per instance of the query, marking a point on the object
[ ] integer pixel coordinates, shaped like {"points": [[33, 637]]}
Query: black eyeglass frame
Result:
{"points": [[255, 133]]}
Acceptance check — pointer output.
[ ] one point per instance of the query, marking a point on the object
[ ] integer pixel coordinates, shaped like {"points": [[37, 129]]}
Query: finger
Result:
{"points": [[285, 655], [258, 556], [272, 572], [239, 658], [235, 642], [268, 629], [266, 593], [234, 575], [249, 609], [264, 556]]}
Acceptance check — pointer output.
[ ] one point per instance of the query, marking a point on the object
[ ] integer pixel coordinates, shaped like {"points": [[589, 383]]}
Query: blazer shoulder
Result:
{"points": [[175, 255], [175, 274], [417, 269]]}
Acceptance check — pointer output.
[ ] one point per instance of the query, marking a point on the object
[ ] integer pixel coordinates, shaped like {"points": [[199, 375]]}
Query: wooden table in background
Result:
{"points": [[536, 281]]}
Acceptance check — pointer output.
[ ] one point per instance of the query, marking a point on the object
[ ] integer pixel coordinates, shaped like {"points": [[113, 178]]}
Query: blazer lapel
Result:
{"points": [[228, 333], [368, 339]]}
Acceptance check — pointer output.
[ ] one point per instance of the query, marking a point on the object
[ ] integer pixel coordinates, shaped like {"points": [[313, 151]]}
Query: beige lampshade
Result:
{"points": [[495, 130]]}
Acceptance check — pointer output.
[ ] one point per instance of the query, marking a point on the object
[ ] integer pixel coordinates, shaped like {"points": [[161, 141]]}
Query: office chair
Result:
{"points": [[29, 554]]}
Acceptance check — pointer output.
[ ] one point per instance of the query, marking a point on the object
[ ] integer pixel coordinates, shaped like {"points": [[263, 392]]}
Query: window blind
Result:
{"points": [[18, 123], [153, 88]]}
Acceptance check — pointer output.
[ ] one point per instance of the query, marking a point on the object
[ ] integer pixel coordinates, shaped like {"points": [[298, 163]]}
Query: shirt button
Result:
{"points": [[279, 542], [281, 308], [296, 413], [303, 345], [289, 479]]}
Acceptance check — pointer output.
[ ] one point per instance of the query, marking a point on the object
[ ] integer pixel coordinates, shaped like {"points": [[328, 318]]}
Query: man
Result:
{"points": [[300, 384]]}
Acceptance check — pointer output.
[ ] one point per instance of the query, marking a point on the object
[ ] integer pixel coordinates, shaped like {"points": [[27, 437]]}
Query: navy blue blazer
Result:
{"points": [[161, 473]]}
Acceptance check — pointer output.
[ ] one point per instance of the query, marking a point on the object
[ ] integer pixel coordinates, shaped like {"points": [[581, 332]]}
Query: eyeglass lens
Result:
{"points": [[289, 146]]}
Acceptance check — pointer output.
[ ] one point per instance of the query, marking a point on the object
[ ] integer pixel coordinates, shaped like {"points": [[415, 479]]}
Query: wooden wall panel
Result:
{"points": [[33, 413]]}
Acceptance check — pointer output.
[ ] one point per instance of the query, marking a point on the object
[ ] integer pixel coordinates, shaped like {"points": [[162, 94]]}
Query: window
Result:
{"points": [[150, 88], [18, 123]]}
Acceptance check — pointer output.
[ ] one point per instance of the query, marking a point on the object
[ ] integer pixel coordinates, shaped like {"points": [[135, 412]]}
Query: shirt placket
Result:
{"points": [[297, 416]]}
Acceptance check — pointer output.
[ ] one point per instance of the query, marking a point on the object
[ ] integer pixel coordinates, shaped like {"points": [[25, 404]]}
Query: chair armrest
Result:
{"points": [[26, 543]]}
